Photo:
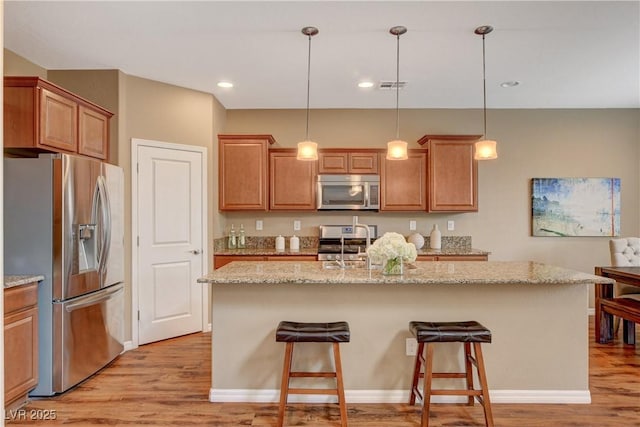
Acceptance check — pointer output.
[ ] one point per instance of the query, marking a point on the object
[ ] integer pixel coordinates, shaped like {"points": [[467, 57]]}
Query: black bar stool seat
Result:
{"points": [[466, 332], [299, 332]]}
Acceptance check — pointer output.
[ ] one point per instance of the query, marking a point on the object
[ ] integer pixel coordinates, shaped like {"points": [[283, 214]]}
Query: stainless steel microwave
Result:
{"points": [[348, 192]]}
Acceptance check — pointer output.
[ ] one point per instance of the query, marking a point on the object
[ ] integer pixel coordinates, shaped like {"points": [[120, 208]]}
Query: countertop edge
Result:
{"points": [[13, 281]]}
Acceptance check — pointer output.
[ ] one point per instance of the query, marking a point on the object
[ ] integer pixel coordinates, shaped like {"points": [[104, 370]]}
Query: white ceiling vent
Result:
{"points": [[391, 85]]}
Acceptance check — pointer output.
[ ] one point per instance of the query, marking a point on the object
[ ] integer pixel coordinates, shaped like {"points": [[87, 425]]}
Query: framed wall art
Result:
{"points": [[564, 207]]}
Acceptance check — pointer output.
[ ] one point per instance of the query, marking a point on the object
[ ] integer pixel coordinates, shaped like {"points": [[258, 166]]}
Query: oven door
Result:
{"points": [[343, 196]]}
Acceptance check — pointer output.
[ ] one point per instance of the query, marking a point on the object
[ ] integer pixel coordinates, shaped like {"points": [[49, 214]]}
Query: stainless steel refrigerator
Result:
{"points": [[64, 219]]}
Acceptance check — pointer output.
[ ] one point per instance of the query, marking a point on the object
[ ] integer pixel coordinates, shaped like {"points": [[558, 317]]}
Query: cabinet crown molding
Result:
{"points": [[427, 138]]}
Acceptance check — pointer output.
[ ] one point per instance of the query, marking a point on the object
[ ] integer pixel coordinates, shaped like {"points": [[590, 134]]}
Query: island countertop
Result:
{"points": [[11, 281], [421, 272]]}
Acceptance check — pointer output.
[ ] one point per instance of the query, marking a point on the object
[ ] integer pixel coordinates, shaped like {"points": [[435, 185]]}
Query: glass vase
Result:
{"points": [[393, 267]]}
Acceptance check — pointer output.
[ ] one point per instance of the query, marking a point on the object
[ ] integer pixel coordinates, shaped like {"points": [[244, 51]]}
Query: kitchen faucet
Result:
{"points": [[356, 225]]}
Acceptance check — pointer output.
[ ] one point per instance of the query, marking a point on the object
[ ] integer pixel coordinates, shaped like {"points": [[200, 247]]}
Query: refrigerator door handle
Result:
{"points": [[89, 301], [103, 203]]}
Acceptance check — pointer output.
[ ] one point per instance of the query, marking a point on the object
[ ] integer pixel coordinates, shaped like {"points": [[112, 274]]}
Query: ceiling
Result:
{"points": [[565, 54]]}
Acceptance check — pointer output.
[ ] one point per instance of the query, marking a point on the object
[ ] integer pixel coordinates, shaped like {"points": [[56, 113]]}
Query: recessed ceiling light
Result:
{"points": [[512, 83], [225, 84], [365, 84]]}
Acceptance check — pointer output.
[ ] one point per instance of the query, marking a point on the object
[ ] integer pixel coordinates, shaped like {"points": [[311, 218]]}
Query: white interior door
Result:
{"points": [[170, 241]]}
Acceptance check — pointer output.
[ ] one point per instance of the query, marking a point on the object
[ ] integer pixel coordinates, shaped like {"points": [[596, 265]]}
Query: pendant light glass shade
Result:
{"points": [[397, 149], [485, 148], [308, 150]]}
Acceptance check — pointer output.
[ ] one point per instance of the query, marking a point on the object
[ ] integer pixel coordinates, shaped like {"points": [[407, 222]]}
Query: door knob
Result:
{"points": [[195, 252]]}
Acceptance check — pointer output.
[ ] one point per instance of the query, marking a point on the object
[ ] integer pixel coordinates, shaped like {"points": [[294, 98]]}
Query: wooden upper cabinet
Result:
{"points": [[453, 173], [339, 161], [292, 181], [93, 134], [403, 183], [41, 116], [58, 122], [243, 180]]}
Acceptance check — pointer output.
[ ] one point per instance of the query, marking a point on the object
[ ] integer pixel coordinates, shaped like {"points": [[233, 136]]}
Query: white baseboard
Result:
{"points": [[402, 396], [128, 345]]}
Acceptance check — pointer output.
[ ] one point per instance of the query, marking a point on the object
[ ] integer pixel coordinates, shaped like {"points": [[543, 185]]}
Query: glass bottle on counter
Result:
{"points": [[241, 238], [233, 242]]}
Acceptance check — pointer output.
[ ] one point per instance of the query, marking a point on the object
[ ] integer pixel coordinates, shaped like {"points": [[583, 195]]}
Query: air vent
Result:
{"points": [[391, 85]]}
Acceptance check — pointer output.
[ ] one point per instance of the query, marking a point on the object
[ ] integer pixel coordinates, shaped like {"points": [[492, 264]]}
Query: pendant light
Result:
{"points": [[397, 149], [307, 149], [485, 148]]}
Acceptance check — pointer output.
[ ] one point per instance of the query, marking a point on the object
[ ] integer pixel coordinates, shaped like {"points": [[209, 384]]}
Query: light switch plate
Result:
{"points": [[412, 225], [258, 224], [296, 225], [451, 225]]}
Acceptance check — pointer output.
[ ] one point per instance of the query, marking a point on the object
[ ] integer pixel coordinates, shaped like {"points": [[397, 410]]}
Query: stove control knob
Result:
{"points": [[329, 257], [352, 257]]}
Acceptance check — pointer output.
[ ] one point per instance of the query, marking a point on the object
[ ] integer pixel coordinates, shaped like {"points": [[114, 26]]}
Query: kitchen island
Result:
{"points": [[537, 314]]}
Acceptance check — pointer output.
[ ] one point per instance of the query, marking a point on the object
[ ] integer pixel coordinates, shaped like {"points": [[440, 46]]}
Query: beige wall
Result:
{"points": [[531, 143], [16, 65]]}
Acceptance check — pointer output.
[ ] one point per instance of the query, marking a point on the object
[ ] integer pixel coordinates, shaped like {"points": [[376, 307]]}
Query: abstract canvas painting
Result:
{"points": [[575, 207]]}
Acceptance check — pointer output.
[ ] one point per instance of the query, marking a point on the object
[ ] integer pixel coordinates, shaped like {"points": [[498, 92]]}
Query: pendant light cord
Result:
{"points": [[398, 86], [484, 89], [308, 85]]}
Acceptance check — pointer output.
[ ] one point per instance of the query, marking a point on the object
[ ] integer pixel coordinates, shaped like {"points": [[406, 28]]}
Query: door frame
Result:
{"points": [[135, 304]]}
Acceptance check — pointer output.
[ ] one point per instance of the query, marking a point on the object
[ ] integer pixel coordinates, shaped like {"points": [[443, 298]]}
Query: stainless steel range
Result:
{"points": [[343, 242]]}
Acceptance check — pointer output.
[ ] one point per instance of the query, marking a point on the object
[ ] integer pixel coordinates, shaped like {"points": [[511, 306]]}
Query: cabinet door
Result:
{"points": [[93, 133], [332, 162], [58, 122], [242, 172], [292, 182], [20, 342], [403, 183], [221, 260], [453, 176], [341, 161], [463, 257], [363, 163], [292, 258]]}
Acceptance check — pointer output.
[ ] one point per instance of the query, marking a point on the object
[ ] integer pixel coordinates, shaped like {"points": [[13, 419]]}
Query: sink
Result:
{"points": [[334, 265]]}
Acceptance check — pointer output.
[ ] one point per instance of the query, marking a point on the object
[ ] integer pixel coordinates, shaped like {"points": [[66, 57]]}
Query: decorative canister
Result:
{"points": [[435, 239]]}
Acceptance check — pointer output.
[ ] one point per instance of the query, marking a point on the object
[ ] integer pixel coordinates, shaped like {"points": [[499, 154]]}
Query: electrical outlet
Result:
{"points": [[296, 225], [258, 224], [412, 225], [411, 347], [451, 225]]}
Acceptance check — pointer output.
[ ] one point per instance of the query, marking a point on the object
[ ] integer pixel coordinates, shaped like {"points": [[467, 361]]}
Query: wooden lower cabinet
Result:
{"points": [[220, 260], [20, 343], [452, 258]]}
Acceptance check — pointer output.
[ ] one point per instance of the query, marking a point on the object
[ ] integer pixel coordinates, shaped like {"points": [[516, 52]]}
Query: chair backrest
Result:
{"points": [[625, 251]]}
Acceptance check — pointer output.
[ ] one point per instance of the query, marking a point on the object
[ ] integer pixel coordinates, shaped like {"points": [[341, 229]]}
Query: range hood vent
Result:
{"points": [[391, 85]]}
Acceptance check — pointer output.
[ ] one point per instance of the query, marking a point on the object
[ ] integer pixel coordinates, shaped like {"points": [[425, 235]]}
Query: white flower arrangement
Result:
{"points": [[390, 246]]}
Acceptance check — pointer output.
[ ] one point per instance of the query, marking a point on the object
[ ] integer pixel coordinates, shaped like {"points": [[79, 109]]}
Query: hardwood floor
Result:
{"points": [[167, 384]]}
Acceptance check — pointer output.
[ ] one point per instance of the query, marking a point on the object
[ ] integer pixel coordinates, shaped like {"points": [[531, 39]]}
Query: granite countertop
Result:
{"points": [[452, 251], [421, 272], [11, 281]]}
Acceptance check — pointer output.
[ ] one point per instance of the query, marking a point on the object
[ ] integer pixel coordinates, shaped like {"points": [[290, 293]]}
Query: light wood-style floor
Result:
{"points": [[167, 384]]}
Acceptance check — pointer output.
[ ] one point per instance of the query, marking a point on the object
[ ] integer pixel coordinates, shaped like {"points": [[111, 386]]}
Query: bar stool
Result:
{"points": [[428, 333], [296, 332]]}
